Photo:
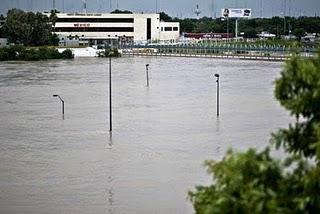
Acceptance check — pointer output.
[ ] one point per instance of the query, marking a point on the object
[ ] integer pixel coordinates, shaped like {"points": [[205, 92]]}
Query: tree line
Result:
{"points": [[297, 26]]}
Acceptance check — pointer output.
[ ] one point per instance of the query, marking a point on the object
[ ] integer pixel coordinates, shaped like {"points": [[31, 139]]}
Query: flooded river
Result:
{"points": [[161, 134]]}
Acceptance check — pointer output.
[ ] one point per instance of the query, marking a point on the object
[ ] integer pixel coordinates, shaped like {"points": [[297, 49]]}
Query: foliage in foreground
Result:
{"points": [[255, 182], [33, 54]]}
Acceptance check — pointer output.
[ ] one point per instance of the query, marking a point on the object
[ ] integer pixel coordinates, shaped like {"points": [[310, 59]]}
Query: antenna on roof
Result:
{"points": [[84, 5], [30, 5], [197, 11], [261, 8]]}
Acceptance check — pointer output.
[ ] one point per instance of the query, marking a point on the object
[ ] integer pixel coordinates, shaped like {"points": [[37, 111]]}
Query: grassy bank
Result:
{"points": [[33, 54]]}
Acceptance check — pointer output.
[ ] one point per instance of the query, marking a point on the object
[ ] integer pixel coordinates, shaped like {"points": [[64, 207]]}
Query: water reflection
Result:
{"points": [[110, 143]]}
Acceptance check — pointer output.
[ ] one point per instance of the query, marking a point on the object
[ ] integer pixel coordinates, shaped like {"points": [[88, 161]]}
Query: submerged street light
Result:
{"points": [[110, 94], [62, 101], [147, 72], [217, 81]]}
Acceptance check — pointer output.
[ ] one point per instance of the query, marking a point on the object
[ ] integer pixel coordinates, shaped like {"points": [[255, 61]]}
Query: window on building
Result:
{"points": [[105, 20], [175, 28], [94, 29], [167, 28], [161, 28]]}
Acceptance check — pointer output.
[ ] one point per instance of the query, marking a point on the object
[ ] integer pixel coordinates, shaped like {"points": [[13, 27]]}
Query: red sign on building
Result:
{"points": [[81, 25]]}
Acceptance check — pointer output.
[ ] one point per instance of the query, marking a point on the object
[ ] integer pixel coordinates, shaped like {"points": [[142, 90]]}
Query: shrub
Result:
{"points": [[67, 54], [33, 54]]}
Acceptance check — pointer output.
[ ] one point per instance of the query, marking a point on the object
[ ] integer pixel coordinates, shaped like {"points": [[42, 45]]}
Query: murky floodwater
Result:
{"points": [[162, 134]]}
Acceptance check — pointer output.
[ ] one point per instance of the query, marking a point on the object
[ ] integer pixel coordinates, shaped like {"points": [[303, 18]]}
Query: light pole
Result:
{"points": [[110, 95], [217, 81], [62, 101], [147, 73], [228, 28]]}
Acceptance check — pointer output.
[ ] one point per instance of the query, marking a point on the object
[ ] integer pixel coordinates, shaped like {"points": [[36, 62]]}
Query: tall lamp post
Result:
{"points": [[62, 101], [217, 81], [110, 95], [228, 28], [147, 73]]}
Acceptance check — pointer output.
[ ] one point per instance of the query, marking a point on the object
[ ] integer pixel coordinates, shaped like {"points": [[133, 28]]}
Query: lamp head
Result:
{"points": [[147, 65], [216, 75], [55, 95]]}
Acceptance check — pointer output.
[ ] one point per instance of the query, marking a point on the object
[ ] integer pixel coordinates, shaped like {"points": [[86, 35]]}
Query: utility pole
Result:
{"points": [[212, 8], [156, 6], [236, 29], [261, 9]]}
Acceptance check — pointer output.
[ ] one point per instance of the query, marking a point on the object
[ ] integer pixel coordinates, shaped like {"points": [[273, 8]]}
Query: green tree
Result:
{"points": [[27, 28], [53, 19], [187, 25], [121, 11], [2, 21], [298, 32], [255, 182], [165, 17]]}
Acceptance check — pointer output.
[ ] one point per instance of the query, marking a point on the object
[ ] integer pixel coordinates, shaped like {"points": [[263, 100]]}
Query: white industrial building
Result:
{"points": [[97, 27]]}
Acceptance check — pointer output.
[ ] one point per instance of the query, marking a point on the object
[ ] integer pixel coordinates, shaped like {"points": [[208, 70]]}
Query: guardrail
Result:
{"points": [[253, 52]]}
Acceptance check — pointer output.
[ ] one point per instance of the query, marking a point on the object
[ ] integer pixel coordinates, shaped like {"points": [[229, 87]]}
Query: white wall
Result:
{"points": [[140, 26], [172, 35]]}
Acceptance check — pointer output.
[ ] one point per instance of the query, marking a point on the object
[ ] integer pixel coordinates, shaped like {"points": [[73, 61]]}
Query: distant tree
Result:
{"points": [[2, 21], [250, 33], [42, 30], [121, 11], [165, 17], [187, 25], [27, 28], [251, 26], [53, 19], [254, 182], [298, 32]]}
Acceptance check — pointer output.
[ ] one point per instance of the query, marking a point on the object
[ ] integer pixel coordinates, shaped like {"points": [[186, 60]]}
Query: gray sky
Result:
{"points": [[175, 8]]}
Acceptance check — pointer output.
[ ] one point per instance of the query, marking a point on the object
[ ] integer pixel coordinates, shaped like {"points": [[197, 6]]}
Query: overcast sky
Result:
{"points": [[176, 8]]}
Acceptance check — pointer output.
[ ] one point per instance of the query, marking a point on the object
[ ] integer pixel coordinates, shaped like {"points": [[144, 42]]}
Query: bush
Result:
{"points": [[33, 54], [109, 53], [67, 54]]}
